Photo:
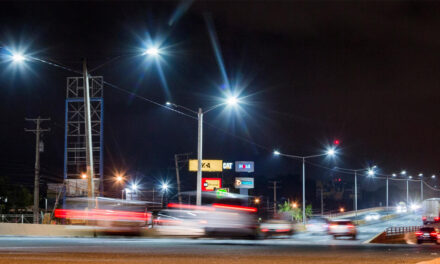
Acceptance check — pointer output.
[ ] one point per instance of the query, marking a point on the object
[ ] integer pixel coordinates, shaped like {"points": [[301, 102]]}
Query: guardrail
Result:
{"points": [[351, 213], [16, 218], [400, 230]]}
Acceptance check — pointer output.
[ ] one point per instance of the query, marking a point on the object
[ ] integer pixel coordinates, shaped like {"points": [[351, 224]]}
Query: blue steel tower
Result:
{"points": [[75, 137]]}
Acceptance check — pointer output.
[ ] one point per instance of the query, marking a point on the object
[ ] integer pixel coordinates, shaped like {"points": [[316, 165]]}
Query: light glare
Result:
{"points": [[18, 57], [232, 101], [152, 51]]}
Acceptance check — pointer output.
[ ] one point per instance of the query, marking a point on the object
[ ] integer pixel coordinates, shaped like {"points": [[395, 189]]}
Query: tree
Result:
{"points": [[295, 213]]}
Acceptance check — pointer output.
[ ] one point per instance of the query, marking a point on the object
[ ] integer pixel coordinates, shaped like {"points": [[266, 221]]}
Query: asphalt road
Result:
{"points": [[300, 248], [141, 250]]}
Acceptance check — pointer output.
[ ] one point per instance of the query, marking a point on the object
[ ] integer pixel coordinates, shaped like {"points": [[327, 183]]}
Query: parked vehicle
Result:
{"points": [[342, 228], [431, 211], [428, 234]]}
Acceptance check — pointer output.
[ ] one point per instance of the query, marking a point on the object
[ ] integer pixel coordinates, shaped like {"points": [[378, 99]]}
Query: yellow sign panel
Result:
{"points": [[207, 165]]}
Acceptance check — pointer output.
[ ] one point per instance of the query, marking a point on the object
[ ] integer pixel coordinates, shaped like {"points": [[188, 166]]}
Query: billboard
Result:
{"points": [[244, 183], [210, 184], [207, 165], [244, 166]]}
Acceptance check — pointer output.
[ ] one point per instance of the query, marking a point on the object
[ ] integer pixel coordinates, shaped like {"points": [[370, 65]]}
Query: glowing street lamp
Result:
{"points": [[164, 187], [229, 101], [329, 152], [152, 51], [403, 172], [84, 176], [18, 57]]}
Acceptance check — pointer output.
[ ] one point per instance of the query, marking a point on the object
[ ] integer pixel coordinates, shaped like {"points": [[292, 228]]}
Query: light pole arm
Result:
{"points": [[183, 107]]}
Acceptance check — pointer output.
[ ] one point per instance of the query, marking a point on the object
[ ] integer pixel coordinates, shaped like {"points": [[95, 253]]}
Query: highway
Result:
{"points": [[300, 248]]}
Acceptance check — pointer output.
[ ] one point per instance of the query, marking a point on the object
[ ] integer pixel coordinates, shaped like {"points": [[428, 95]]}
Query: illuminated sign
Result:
{"points": [[207, 165], [221, 192], [210, 184], [227, 165], [244, 166], [244, 183]]}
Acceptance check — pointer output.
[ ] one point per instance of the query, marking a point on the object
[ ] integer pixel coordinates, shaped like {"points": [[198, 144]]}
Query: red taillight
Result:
{"points": [[424, 218], [434, 234], [350, 226], [436, 219], [283, 230], [418, 233], [264, 230], [235, 207]]}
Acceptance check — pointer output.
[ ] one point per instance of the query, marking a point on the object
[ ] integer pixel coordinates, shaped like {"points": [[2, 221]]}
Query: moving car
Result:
{"points": [[317, 225], [189, 223], [372, 216], [428, 234], [276, 228], [342, 228]]}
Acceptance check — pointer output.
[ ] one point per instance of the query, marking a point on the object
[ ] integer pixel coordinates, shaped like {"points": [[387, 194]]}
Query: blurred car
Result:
{"points": [[108, 215], [401, 208], [342, 228], [180, 223], [428, 234], [372, 217], [317, 225], [276, 228]]}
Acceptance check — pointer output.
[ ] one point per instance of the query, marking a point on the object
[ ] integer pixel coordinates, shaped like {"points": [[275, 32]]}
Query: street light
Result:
{"points": [[152, 51], [330, 152], [84, 176], [433, 176], [355, 184], [403, 172], [230, 101], [17, 57]]}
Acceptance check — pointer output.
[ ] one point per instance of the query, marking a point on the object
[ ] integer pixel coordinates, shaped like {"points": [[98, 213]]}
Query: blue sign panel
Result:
{"points": [[244, 166]]}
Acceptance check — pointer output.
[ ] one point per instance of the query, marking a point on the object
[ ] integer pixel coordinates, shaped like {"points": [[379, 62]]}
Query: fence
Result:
{"points": [[399, 230], [16, 218]]}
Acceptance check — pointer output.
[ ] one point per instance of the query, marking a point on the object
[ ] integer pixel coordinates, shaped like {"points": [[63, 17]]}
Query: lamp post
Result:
{"points": [[370, 172], [164, 188], [231, 101], [329, 152]]}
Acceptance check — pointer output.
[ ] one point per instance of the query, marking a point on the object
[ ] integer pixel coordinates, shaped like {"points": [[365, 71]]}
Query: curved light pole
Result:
{"points": [[229, 101], [330, 152]]}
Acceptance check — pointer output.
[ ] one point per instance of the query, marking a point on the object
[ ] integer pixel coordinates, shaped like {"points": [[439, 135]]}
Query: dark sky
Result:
{"points": [[363, 72]]}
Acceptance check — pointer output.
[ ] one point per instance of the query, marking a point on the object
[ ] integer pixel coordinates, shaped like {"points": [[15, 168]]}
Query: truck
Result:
{"points": [[431, 211]]}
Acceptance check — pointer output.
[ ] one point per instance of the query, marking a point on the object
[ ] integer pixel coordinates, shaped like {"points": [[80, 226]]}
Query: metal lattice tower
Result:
{"points": [[75, 140]]}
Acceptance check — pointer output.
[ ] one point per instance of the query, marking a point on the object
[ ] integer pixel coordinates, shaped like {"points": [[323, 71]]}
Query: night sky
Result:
{"points": [[362, 72]]}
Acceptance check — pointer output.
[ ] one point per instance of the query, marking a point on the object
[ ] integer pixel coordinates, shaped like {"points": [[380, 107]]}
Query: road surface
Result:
{"points": [[300, 248], [141, 250]]}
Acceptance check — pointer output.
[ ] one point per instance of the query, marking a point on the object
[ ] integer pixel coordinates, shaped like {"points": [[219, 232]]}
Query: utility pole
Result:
{"points": [[322, 200], [176, 160], [88, 133], [421, 190], [387, 194], [199, 157], [38, 148], [274, 196]]}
